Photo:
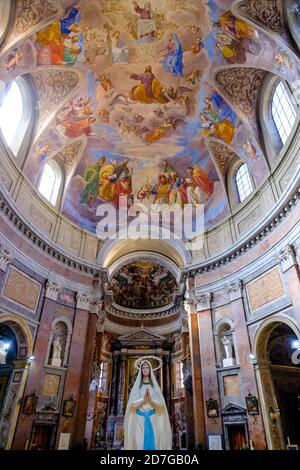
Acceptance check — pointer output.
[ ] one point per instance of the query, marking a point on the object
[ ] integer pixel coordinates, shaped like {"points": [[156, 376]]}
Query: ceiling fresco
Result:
{"points": [[143, 284], [148, 107]]}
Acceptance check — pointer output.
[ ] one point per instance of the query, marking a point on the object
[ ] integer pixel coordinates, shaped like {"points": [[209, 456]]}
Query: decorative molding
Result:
{"points": [[97, 305], [5, 258], [52, 290], [287, 258], [279, 215], [235, 290], [83, 301], [30, 16], [53, 87], [50, 249], [222, 155], [189, 303], [140, 315], [280, 212], [268, 14], [203, 301], [241, 85], [69, 154]]}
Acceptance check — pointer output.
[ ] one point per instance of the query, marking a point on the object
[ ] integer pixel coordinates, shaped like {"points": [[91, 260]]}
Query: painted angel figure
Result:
{"points": [[147, 425]]}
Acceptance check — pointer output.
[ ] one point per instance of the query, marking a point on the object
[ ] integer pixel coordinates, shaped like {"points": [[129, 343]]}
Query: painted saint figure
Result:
{"points": [[147, 425], [146, 24], [91, 177], [150, 90], [172, 62]]}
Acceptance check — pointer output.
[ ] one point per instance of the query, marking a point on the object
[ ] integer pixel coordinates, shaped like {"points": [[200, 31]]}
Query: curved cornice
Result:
{"points": [[10, 212], [277, 216]]}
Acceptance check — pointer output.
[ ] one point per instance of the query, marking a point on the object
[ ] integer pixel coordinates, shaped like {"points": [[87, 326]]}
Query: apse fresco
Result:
{"points": [[143, 284], [147, 105]]}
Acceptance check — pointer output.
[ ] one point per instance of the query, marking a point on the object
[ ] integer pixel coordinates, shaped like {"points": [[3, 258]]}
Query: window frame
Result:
{"points": [[29, 120], [270, 137], [57, 169], [249, 180], [283, 133], [231, 187]]}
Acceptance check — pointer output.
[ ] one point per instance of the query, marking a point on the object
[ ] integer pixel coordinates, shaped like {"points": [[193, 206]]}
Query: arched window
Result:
{"points": [[244, 182], [15, 113], [284, 112], [50, 182]]}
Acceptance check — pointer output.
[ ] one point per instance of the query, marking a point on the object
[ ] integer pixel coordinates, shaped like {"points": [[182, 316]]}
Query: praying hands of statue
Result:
{"points": [[147, 397]]}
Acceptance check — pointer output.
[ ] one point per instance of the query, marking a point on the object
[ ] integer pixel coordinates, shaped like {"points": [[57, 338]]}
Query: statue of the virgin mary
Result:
{"points": [[147, 425]]}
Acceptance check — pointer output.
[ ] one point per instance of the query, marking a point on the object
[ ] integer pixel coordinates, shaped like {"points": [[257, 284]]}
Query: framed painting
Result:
{"points": [[212, 408], [30, 404], [252, 405], [69, 408]]}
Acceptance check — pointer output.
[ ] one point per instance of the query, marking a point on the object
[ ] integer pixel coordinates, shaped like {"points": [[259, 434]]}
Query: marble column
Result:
{"points": [[248, 379], [291, 275], [33, 383], [110, 429], [208, 360], [198, 401]]}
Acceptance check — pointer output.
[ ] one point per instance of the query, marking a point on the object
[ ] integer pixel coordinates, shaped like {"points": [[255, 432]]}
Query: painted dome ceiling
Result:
{"points": [[143, 284], [150, 100]]}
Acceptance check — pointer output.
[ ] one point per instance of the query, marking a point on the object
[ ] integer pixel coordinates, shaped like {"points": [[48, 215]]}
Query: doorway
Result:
{"points": [[42, 437], [237, 437]]}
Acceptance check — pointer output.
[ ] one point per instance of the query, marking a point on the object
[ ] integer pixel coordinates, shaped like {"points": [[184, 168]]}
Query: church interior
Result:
{"points": [[112, 111]]}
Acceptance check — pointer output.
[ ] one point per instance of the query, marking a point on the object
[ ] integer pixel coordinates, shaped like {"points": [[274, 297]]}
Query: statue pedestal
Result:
{"points": [[228, 362], [56, 362]]}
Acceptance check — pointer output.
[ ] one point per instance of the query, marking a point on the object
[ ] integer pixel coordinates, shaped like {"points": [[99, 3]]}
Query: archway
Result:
{"points": [[278, 377], [15, 350]]}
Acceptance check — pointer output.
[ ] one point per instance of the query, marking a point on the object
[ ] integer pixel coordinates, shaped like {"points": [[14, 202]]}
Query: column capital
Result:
{"points": [[96, 305], [5, 258], [52, 290], [83, 301], [203, 301], [189, 306], [235, 290], [286, 258]]}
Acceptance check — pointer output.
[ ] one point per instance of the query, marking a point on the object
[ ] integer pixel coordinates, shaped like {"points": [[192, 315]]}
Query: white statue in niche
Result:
{"points": [[57, 350], [229, 360]]}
